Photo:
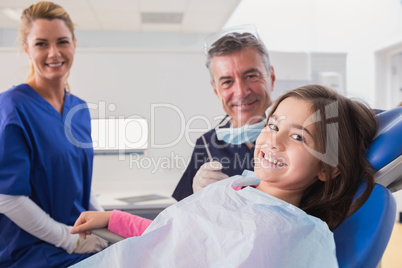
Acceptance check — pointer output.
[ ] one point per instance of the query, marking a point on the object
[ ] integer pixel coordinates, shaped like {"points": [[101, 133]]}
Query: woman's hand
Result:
{"points": [[89, 220]]}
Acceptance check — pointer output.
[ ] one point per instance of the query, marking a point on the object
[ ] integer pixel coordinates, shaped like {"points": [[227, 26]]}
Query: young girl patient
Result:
{"points": [[309, 162]]}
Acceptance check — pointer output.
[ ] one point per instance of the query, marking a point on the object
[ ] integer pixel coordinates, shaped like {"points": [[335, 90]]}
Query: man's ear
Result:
{"points": [[215, 90], [273, 78], [323, 177]]}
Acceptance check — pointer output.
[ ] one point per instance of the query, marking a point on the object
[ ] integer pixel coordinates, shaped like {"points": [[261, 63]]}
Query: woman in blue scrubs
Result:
{"points": [[46, 152]]}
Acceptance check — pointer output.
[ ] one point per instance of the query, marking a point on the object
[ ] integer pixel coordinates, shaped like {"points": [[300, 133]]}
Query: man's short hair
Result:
{"points": [[234, 42]]}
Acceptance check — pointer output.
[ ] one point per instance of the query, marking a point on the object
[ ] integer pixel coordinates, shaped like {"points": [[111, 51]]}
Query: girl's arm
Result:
{"points": [[89, 220], [119, 222], [127, 225]]}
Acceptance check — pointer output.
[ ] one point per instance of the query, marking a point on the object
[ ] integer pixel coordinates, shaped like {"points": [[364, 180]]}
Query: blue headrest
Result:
{"points": [[362, 238], [387, 146]]}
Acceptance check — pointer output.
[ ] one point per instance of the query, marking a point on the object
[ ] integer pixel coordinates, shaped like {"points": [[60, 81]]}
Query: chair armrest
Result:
{"points": [[107, 235]]}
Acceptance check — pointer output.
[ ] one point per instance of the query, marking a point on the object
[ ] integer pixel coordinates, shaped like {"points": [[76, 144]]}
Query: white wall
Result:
{"points": [[133, 81], [358, 28]]}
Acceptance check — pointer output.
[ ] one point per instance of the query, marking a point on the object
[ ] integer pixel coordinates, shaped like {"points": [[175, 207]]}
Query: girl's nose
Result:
{"points": [[276, 141]]}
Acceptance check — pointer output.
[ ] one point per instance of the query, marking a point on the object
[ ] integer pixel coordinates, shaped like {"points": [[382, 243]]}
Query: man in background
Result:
{"points": [[243, 79]]}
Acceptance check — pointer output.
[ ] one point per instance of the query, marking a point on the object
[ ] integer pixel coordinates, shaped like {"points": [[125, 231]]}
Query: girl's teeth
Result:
{"points": [[270, 159], [273, 161], [55, 64]]}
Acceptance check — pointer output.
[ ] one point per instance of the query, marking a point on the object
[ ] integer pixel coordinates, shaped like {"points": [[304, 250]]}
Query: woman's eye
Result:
{"points": [[298, 137], [273, 127], [40, 44], [64, 42]]}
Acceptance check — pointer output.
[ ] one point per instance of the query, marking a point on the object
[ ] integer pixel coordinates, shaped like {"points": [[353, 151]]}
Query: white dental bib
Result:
{"points": [[221, 227]]}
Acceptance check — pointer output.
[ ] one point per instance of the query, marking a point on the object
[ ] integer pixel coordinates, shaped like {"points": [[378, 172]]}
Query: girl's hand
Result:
{"points": [[89, 220]]}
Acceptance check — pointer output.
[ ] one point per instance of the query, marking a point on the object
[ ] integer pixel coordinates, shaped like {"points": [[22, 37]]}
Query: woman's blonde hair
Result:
{"points": [[42, 10]]}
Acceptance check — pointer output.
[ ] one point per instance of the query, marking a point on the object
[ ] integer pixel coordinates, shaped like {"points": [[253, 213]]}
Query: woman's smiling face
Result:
{"points": [[50, 47], [282, 161]]}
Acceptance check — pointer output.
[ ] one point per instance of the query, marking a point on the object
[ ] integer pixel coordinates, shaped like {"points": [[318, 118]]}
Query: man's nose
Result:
{"points": [[240, 88]]}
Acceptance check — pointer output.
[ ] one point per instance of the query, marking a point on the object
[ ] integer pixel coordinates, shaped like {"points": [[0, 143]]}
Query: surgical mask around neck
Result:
{"points": [[244, 134]]}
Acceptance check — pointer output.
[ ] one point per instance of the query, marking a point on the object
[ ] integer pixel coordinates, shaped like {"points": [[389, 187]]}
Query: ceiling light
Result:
{"points": [[154, 17], [12, 14]]}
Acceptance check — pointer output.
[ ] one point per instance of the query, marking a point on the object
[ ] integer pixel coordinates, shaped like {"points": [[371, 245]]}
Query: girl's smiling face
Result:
{"points": [[282, 162]]}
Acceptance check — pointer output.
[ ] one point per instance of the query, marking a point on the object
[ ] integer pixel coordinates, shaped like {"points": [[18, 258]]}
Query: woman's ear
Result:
{"points": [[25, 47], [322, 176]]}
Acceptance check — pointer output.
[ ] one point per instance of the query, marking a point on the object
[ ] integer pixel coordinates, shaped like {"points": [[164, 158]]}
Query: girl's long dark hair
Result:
{"points": [[345, 129]]}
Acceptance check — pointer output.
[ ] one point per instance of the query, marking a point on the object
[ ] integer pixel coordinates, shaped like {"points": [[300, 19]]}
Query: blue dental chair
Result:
{"points": [[361, 239]]}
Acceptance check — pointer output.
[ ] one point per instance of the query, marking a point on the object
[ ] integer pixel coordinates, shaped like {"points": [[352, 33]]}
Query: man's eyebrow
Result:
{"points": [[225, 78], [251, 70]]}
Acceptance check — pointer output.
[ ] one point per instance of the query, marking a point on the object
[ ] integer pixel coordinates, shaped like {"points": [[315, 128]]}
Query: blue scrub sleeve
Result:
{"points": [[14, 162]]}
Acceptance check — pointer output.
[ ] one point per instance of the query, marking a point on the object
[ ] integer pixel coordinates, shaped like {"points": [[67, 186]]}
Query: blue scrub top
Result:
{"points": [[234, 159], [41, 156]]}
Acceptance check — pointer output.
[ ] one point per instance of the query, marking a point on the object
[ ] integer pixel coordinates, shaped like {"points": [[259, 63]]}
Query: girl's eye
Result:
{"points": [[298, 137], [64, 42], [273, 127]]}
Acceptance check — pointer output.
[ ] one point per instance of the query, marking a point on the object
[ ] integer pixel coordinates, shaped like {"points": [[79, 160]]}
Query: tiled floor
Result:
{"points": [[393, 253]]}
